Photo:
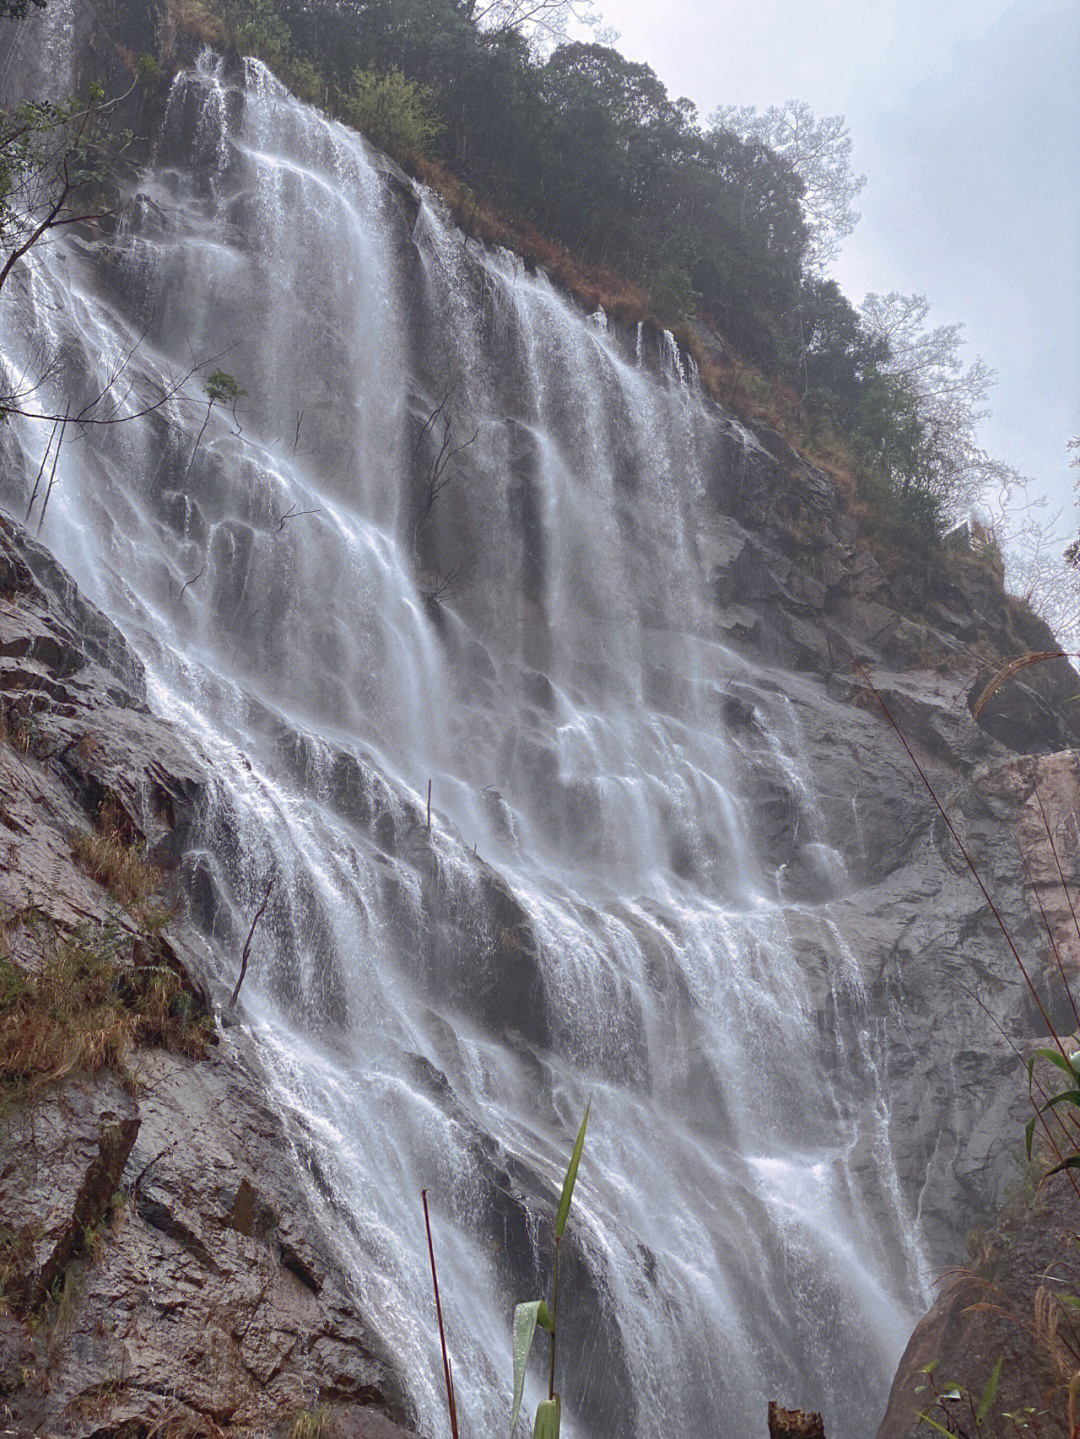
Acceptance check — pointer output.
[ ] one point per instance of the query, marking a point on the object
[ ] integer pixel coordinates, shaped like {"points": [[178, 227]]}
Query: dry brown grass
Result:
{"points": [[16, 1253], [1007, 669], [117, 862], [310, 1423], [88, 1004]]}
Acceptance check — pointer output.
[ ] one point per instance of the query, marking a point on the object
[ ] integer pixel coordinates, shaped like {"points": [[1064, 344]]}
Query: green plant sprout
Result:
{"points": [[528, 1317], [1070, 1095]]}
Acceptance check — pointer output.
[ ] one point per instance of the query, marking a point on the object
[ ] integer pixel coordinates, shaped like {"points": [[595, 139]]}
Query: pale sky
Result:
{"points": [[965, 117]]}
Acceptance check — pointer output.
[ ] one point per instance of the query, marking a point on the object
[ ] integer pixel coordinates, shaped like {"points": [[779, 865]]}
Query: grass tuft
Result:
{"points": [[88, 1006], [310, 1423], [115, 861]]}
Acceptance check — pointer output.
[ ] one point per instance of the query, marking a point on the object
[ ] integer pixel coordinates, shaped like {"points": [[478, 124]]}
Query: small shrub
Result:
{"points": [[147, 68], [673, 296], [395, 113], [223, 388]]}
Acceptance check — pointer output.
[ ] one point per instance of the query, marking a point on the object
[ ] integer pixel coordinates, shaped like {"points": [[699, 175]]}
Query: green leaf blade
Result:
{"points": [[1067, 1096], [1073, 1162], [571, 1177], [526, 1318], [989, 1391], [935, 1425], [1054, 1058]]}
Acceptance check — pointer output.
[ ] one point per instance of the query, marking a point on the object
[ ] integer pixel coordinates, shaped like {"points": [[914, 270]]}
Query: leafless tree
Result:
{"points": [[293, 513], [1029, 534], [247, 942], [818, 153], [544, 23], [107, 405], [444, 586], [950, 399]]}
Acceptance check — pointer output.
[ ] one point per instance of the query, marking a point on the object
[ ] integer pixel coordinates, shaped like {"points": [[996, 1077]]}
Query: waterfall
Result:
{"points": [[458, 531]]}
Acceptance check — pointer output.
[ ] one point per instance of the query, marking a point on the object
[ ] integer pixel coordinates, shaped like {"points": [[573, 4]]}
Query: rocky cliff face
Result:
{"points": [[177, 1273], [676, 857], [1011, 1296]]}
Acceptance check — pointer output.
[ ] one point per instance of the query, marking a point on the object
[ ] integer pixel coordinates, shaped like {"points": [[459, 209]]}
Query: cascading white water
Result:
{"points": [[739, 1228]]}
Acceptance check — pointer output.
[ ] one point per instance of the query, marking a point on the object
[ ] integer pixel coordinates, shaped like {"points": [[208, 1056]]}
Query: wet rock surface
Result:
{"points": [[80, 735], [207, 1294], [162, 1268], [205, 1297]]}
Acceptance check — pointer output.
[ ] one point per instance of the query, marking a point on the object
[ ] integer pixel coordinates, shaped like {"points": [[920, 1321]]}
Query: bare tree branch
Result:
{"points": [[188, 585], [247, 943], [292, 513]]}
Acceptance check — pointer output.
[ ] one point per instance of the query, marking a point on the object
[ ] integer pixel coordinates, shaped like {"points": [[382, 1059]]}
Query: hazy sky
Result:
{"points": [[965, 117]]}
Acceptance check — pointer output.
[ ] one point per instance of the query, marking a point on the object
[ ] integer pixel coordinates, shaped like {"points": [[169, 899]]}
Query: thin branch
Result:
{"points": [[52, 475], [190, 582], [292, 513], [41, 471], [451, 1402], [247, 942]]}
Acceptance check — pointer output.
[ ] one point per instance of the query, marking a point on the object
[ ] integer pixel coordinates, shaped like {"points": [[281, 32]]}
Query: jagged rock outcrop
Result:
{"points": [[1009, 1297], [1000, 1304], [162, 1265], [794, 1424]]}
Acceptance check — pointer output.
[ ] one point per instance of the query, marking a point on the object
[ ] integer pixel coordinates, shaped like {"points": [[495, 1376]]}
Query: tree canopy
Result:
{"points": [[731, 223]]}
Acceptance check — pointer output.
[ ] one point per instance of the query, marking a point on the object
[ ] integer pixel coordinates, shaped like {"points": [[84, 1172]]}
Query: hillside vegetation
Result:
{"points": [[720, 230], [717, 229]]}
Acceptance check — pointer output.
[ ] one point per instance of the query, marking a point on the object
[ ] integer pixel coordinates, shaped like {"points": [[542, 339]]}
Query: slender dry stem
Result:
{"points": [[451, 1402]]}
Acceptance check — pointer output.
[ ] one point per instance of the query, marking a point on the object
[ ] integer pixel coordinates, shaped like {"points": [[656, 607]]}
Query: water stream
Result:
{"points": [[596, 911]]}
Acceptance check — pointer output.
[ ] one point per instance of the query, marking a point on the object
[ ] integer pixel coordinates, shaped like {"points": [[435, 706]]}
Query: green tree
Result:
{"points": [[256, 28], [54, 170], [673, 296], [396, 113]]}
